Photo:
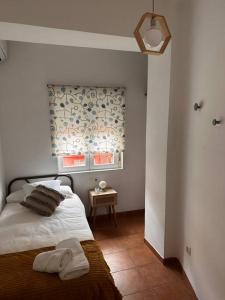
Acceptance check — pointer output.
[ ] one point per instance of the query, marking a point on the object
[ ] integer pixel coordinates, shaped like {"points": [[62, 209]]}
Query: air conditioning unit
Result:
{"points": [[3, 51]]}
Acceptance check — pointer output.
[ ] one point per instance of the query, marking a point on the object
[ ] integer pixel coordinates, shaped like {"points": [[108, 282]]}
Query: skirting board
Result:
{"points": [[170, 261], [130, 212], [155, 252]]}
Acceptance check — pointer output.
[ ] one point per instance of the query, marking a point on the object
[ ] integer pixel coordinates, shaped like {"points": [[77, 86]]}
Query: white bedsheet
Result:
{"points": [[21, 229]]}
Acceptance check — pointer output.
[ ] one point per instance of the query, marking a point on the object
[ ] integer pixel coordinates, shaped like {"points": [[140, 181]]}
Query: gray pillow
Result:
{"points": [[43, 200]]}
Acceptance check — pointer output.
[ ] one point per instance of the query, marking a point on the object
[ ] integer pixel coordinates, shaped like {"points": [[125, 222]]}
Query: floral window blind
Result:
{"points": [[86, 119]]}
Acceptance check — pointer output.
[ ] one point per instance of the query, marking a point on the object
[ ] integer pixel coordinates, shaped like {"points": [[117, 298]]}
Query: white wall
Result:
{"points": [[195, 174], [179, 87], [156, 149], [198, 74], [24, 111]]}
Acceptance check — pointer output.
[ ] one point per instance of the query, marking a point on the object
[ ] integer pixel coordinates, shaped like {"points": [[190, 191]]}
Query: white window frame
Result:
{"points": [[115, 165], [63, 169], [89, 165]]}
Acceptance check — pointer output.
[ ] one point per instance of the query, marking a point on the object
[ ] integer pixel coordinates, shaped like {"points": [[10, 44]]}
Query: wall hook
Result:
{"points": [[216, 122], [198, 106]]}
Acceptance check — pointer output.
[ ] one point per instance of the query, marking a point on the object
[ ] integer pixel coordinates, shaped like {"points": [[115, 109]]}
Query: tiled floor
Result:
{"points": [[137, 272]]}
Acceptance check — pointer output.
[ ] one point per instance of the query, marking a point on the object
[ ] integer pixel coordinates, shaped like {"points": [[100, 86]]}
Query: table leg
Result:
{"points": [[114, 215], [94, 211], [91, 212], [110, 211]]}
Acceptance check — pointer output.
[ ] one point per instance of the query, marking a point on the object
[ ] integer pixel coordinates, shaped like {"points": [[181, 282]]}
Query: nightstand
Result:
{"points": [[106, 198]]}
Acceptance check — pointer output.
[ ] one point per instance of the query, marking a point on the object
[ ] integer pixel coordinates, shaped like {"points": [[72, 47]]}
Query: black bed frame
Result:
{"points": [[30, 178]]}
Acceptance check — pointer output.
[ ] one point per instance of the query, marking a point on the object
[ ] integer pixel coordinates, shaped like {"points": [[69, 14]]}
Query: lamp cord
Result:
{"points": [[153, 6]]}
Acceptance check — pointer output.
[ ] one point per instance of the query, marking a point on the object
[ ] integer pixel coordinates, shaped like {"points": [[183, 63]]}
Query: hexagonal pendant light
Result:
{"points": [[152, 33]]}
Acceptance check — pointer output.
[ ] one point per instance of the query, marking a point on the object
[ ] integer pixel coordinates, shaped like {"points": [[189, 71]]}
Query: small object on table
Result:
{"points": [[102, 184], [106, 198]]}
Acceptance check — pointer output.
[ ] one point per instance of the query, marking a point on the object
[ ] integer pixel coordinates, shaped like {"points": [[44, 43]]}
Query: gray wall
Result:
{"points": [[100, 16], [24, 111]]}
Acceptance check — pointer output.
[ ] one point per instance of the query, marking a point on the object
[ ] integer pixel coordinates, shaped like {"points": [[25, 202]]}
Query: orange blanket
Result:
{"points": [[19, 282]]}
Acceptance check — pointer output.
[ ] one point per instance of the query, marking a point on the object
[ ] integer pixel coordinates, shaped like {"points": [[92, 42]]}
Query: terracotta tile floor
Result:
{"points": [[138, 273]]}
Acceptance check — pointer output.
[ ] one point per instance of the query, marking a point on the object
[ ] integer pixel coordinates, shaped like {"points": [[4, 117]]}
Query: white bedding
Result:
{"points": [[21, 229]]}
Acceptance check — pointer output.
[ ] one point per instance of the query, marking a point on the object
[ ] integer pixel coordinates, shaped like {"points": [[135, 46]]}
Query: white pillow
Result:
{"points": [[53, 184], [66, 191], [15, 197]]}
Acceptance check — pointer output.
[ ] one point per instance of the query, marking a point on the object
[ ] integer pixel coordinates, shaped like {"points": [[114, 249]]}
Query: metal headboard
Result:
{"points": [[29, 178]]}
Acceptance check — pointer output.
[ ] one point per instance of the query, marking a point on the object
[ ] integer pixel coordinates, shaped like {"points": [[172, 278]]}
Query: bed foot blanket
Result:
{"points": [[19, 282]]}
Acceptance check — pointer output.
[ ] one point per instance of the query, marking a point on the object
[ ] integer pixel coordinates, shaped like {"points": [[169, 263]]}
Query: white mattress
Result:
{"points": [[21, 229]]}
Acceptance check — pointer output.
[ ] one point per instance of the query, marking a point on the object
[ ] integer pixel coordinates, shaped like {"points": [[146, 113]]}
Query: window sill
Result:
{"points": [[89, 171]]}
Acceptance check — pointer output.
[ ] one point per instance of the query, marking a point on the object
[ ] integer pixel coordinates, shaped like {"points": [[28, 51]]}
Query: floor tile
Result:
{"points": [[119, 261], [142, 255], [112, 245], [127, 224], [108, 233], [137, 272], [145, 295], [129, 281], [132, 227], [133, 240], [155, 274], [174, 292], [121, 243]]}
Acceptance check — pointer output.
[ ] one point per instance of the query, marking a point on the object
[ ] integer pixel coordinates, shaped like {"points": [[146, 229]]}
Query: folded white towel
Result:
{"points": [[79, 264], [52, 261], [73, 244]]}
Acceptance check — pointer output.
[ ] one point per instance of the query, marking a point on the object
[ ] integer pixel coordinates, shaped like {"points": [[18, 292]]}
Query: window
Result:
{"points": [[90, 162], [74, 161], [100, 159], [87, 127]]}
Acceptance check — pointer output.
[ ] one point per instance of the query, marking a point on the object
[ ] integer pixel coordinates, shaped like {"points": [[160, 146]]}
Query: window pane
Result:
{"points": [[98, 161], [74, 161], [103, 159]]}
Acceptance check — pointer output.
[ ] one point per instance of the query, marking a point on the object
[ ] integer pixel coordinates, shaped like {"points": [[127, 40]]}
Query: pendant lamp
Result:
{"points": [[152, 33]]}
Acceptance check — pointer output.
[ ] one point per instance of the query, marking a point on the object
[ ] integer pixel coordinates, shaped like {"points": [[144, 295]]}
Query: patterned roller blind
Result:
{"points": [[86, 119]]}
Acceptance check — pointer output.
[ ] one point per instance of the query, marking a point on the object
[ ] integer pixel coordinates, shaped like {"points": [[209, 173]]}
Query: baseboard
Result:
{"points": [[154, 251], [165, 261], [170, 262], [131, 212], [121, 213]]}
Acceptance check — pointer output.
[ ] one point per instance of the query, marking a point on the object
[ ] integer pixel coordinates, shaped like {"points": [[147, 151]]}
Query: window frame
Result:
{"points": [[90, 167], [74, 169]]}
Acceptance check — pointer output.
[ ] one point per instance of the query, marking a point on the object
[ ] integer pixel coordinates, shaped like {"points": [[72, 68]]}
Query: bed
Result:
{"points": [[24, 234]]}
